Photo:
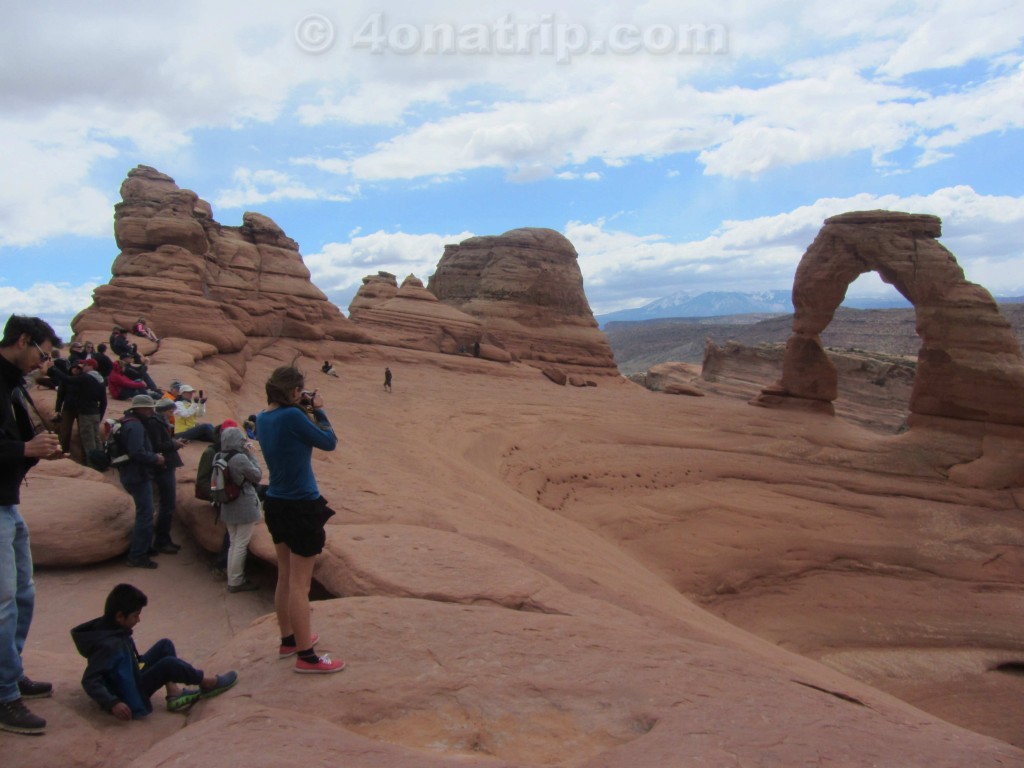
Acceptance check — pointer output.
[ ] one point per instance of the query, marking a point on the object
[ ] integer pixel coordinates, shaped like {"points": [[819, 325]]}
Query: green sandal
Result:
{"points": [[183, 700]]}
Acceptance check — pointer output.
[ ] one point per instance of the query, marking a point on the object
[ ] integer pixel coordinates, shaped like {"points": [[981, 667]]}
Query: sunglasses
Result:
{"points": [[43, 356]]}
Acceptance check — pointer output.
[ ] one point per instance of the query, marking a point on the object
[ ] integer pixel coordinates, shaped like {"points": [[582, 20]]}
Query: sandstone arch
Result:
{"points": [[969, 365]]}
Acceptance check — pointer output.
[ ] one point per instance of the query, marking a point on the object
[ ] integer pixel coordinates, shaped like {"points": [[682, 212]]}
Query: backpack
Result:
{"points": [[203, 472], [113, 451], [223, 489]]}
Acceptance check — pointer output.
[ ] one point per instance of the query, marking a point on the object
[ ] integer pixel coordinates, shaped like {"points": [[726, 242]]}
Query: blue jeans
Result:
{"points": [[161, 665], [166, 488], [142, 535], [17, 599]]}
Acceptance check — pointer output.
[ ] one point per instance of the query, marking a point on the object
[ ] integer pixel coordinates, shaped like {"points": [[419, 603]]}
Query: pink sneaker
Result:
{"points": [[290, 650], [324, 665]]}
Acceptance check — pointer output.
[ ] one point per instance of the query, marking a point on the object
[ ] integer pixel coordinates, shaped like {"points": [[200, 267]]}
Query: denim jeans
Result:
{"points": [[161, 665], [166, 488], [17, 599], [142, 536]]}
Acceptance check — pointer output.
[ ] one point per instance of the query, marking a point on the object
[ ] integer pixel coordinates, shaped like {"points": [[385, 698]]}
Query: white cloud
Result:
{"points": [[622, 269], [57, 303], [262, 186], [339, 268]]}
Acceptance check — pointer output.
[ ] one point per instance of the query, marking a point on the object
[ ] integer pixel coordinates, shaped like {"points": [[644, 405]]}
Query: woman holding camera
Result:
{"points": [[293, 424]]}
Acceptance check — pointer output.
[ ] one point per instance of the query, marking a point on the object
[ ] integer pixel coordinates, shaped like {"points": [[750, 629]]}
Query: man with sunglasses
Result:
{"points": [[26, 345]]}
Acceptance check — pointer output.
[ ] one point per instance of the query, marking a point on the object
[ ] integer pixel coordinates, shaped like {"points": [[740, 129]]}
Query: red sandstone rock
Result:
{"points": [[526, 288], [193, 278], [556, 375], [969, 366]]}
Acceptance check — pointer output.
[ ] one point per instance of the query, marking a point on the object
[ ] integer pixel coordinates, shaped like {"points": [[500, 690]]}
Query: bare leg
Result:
{"points": [[301, 576], [283, 589]]}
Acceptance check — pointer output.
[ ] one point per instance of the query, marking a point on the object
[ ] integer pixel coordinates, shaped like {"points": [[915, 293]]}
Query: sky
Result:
{"points": [[680, 146]]}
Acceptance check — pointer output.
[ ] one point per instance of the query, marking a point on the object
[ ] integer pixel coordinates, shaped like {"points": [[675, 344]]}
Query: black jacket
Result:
{"points": [[161, 437], [83, 393], [15, 430]]}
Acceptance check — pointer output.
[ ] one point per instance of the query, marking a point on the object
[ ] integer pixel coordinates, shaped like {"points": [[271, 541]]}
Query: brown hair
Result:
{"points": [[281, 384]]}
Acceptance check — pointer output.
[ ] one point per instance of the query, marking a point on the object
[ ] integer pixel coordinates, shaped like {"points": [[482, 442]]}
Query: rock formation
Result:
{"points": [[526, 288], [411, 316], [195, 279], [969, 365]]}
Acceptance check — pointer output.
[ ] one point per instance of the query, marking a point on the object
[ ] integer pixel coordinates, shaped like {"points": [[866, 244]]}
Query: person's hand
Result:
{"points": [[43, 445], [160, 460], [180, 443], [317, 401], [121, 711]]}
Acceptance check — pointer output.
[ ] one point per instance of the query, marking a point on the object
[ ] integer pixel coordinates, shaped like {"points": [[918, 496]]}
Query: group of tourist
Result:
{"points": [[117, 677]]}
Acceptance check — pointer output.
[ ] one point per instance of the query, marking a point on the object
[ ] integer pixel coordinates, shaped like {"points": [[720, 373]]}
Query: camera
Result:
{"points": [[307, 397]]}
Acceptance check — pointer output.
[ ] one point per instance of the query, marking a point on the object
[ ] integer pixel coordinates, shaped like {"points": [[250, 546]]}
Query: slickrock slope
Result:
{"points": [[526, 288], [524, 568], [194, 279]]}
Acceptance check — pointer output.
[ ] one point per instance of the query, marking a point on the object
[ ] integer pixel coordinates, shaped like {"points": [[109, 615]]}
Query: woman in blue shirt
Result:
{"points": [[293, 424]]}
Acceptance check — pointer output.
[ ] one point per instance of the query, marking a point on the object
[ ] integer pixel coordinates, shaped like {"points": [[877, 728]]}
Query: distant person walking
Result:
{"points": [[387, 379], [293, 424], [26, 345]]}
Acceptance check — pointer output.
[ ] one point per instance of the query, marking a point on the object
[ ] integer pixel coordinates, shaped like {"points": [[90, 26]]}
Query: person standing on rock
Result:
{"points": [[293, 424], [161, 436], [137, 478], [26, 345], [387, 379]]}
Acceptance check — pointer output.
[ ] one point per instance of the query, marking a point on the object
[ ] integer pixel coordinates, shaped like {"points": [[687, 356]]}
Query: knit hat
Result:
{"points": [[88, 363], [143, 401], [228, 423]]}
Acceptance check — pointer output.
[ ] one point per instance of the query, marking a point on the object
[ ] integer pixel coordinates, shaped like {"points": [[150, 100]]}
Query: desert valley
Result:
{"points": [[539, 562]]}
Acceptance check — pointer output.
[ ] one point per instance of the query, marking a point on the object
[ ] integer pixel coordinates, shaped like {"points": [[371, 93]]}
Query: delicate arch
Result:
{"points": [[969, 365]]}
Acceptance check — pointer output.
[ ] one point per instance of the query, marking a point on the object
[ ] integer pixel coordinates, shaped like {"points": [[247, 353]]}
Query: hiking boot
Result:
{"points": [[30, 689], [245, 586], [15, 717], [141, 562], [286, 651], [168, 549], [183, 700], [225, 681], [322, 666]]}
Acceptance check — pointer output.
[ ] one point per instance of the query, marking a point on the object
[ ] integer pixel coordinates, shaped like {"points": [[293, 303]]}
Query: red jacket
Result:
{"points": [[120, 386]]}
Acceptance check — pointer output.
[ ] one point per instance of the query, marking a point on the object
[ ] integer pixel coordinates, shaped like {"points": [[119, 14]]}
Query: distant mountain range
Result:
{"points": [[723, 303]]}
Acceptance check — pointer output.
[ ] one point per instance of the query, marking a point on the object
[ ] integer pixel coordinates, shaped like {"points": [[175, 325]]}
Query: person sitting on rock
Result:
{"points": [[119, 343], [329, 369], [121, 387], [120, 679], [136, 367], [141, 329], [189, 406]]}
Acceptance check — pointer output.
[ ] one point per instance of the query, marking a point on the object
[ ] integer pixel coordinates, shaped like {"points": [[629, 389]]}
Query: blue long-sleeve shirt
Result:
{"points": [[287, 438]]}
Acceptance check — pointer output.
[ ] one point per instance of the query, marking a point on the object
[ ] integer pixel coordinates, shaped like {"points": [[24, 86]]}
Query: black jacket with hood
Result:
{"points": [[15, 430]]}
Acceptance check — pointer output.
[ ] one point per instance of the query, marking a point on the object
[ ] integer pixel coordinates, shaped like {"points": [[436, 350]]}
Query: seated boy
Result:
{"points": [[119, 679]]}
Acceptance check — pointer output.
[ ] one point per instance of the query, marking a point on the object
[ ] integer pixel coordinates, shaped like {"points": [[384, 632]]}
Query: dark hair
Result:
{"points": [[38, 331], [281, 383], [126, 599], [101, 347]]}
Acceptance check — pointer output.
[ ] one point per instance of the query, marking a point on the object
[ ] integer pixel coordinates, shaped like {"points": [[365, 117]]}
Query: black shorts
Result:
{"points": [[298, 523]]}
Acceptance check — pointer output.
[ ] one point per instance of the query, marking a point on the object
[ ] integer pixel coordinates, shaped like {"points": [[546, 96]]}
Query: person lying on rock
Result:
{"points": [[328, 368], [121, 680]]}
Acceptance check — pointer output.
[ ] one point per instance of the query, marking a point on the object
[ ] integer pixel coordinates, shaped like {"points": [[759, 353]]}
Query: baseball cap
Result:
{"points": [[186, 388]]}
